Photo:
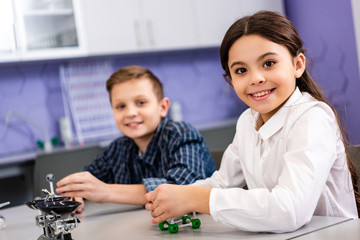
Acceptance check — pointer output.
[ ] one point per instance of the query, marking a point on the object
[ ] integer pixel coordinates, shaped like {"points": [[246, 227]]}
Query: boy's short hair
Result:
{"points": [[134, 72]]}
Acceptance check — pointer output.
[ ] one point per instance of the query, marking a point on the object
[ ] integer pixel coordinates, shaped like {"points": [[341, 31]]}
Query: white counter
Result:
{"points": [[117, 221]]}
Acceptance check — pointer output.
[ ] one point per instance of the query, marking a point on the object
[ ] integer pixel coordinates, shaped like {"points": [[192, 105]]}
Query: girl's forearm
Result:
{"points": [[199, 198]]}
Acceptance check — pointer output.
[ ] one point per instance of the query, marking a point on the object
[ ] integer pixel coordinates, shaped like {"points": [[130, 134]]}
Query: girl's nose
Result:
{"points": [[257, 79], [258, 82]]}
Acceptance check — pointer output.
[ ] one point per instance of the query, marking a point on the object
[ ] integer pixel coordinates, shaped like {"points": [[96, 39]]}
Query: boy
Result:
{"points": [[153, 150]]}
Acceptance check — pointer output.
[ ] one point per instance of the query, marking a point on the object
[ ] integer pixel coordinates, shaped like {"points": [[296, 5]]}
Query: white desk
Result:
{"points": [[113, 221], [349, 230]]}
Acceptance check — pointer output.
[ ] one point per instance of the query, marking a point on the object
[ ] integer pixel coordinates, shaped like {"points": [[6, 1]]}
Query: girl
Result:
{"points": [[288, 160]]}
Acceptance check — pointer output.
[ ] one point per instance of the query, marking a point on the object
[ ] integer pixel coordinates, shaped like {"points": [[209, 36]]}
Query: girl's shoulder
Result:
{"points": [[309, 110], [307, 103]]}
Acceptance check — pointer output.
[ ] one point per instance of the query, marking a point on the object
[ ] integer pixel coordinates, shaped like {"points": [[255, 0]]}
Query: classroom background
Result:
{"points": [[192, 80]]}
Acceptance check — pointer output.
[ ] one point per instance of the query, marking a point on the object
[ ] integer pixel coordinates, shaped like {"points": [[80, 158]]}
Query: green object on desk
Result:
{"points": [[54, 142], [185, 221], [40, 144]]}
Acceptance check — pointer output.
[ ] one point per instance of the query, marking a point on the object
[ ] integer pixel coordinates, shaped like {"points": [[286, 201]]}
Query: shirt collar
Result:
{"points": [[277, 121], [150, 149]]}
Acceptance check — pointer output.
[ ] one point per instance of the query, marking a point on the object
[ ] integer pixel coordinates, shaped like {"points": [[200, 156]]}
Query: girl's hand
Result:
{"points": [[168, 201], [83, 185]]}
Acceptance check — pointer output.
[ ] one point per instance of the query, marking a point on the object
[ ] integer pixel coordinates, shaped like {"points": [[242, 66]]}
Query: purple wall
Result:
{"points": [[193, 77], [326, 27]]}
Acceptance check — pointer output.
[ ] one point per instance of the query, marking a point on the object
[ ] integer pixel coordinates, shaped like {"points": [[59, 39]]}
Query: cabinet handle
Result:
{"points": [[150, 29], [16, 31], [138, 35], [15, 45]]}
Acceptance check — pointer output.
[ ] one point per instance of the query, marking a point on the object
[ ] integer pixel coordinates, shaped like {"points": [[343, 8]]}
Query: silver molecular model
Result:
{"points": [[56, 218]]}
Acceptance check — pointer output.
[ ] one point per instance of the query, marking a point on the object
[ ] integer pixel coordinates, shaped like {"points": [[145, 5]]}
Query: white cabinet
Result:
{"points": [[214, 17], [39, 29], [111, 26], [46, 29], [168, 24], [7, 33], [118, 26]]}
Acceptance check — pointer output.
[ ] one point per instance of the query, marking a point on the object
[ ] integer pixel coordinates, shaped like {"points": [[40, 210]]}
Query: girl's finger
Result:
{"points": [[150, 196], [149, 206], [160, 218], [156, 212]]}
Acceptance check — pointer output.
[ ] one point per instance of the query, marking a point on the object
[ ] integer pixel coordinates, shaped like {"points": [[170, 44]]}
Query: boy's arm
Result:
{"points": [[127, 193], [85, 185]]}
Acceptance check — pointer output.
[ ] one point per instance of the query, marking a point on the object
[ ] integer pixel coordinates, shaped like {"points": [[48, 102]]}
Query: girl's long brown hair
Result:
{"points": [[277, 28]]}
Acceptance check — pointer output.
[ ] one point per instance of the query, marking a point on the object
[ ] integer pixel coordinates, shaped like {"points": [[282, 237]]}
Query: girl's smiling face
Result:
{"points": [[263, 73]]}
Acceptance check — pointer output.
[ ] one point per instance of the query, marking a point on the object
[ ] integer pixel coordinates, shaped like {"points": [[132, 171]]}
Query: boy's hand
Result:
{"points": [[83, 185], [80, 208], [168, 201]]}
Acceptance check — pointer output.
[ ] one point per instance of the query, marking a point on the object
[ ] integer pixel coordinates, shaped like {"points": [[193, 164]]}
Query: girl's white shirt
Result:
{"points": [[294, 167]]}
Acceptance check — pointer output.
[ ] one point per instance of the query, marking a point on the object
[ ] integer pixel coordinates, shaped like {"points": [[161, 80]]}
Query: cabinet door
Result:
{"points": [[214, 17], [7, 34], [111, 26], [168, 24], [46, 29]]}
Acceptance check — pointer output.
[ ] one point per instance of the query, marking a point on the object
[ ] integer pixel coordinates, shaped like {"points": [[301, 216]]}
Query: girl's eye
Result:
{"points": [[240, 70], [269, 63]]}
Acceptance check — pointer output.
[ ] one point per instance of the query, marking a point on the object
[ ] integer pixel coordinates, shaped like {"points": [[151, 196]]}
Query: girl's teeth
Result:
{"points": [[260, 94]]}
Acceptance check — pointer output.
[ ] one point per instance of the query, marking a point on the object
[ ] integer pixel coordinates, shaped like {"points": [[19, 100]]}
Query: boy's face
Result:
{"points": [[137, 110]]}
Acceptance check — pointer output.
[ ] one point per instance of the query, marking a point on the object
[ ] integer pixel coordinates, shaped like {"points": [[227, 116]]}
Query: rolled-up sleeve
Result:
{"points": [[185, 158], [152, 183]]}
